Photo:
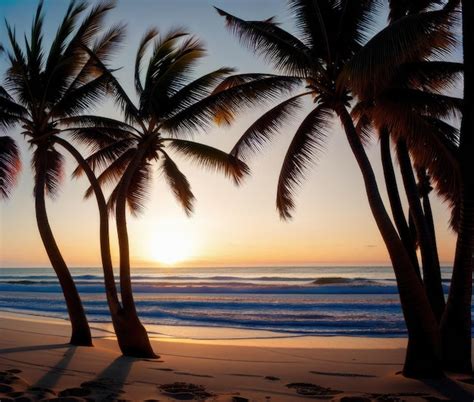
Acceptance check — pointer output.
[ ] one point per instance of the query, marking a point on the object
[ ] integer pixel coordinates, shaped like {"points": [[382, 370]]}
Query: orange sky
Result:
{"points": [[230, 226]]}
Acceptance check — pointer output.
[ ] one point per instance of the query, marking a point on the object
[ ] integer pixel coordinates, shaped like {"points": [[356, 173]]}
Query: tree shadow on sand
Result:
{"points": [[51, 378], [107, 385]]}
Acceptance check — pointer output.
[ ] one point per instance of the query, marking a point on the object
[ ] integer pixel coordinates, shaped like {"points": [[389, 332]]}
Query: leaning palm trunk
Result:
{"points": [[394, 199], [423, 352], [124, 325], [135, 341], [456, 322], [81, 334], [429, 255], [109, 280]]}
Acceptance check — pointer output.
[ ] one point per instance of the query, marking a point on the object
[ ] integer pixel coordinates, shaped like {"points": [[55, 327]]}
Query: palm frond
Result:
{"points": [[121, 98], [103, 48], [172, 76], [409, 39], [306, 145], [317, 23], [138, 189], [178, 183], [287, 53], [394, 103], [10, 165], [211, 158], [201, 114], [97, 138], [401, 8], [198, 89], [109, 157], [81, 98], [163, 52], [266, 127], [429, 75], [112, 174], [145, 41], [35, 53], [50, 163], [93, 121], [64, 31], [355, 23]]}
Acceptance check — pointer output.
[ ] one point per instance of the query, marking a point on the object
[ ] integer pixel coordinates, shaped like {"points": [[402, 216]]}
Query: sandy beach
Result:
{"points": [[208, 364]]}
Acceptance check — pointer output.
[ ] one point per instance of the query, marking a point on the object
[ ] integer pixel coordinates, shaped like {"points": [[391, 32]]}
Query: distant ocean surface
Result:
{"points": [[351, 301]]}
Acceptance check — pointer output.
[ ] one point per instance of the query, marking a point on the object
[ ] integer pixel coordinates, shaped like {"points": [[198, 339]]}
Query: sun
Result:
{"points": [[170, 248]]}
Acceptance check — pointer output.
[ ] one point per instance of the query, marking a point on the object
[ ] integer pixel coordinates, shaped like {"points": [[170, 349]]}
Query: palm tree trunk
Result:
{"points": [[429, 255], [81, 334], [124, 328], [456, 322], [428, 212], [423, 351], [394, 198], [138, 343]]}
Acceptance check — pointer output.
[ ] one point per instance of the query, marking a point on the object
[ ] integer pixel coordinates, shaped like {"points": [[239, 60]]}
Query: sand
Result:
{"points": [[36, 363]]}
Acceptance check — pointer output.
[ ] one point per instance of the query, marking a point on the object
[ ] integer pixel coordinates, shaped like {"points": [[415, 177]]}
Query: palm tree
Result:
{"points": [[331, 37], [409, 109], [456, 322], [41, 89], [171, 107]]}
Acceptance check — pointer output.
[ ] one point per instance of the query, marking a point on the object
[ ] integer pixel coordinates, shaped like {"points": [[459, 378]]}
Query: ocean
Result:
{"points": [[324, 301]]}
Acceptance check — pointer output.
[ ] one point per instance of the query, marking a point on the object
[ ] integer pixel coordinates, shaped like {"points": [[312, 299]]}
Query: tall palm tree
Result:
{"points": [[331, 36], [171, 106], [409, 110], [43, 87], [456, 323], [456, 320]]}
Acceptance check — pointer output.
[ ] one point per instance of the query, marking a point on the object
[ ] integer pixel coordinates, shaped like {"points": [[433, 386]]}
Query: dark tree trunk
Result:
{"points": [[429, 255], [81, 334], [125, 325], [395, 202], [425, 182], [423, 352], [456, 322], [137, 343]]}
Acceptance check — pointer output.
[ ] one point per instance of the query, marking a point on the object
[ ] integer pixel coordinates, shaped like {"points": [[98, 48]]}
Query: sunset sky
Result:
{"points": [[230, 226]]}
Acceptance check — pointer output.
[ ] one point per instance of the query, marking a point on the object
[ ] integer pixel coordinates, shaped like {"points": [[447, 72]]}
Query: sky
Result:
{"points": [[231, 226]]}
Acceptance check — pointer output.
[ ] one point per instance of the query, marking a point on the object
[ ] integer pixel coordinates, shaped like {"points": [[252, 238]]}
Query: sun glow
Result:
{"points": [[170, 247]]}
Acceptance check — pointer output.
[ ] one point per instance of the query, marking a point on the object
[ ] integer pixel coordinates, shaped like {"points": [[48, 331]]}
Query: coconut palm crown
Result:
{"points": [[330, 37]]}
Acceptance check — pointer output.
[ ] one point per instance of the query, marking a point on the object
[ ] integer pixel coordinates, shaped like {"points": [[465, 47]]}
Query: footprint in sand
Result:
{"points": [[185, 391], [308, 389], [271, 378]]}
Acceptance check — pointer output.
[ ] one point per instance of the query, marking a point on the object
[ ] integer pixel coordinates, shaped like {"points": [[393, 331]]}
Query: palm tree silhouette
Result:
{"points": [[331, 37], [42, 90], [410, 110], [171, 107], [456, 320]]}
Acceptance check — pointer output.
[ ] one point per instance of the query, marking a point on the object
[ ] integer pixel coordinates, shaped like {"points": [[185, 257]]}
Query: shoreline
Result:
{"points": [[35, 357], [231, 336]]}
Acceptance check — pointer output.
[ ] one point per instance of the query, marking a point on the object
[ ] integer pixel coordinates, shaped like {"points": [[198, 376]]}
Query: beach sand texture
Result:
{"points": [[37, 364]]}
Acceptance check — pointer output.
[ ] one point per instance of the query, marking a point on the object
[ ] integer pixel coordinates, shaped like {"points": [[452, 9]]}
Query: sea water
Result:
{"points": [[350, 301]]}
